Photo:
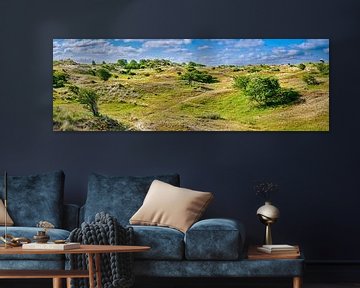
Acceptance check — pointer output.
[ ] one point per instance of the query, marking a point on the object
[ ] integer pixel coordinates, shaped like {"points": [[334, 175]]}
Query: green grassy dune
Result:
{"points": [[154, 100]]}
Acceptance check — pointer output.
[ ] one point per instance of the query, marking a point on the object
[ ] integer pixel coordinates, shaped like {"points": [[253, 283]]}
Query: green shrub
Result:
{"points": [[192, 74], [323, 68], [262, 89], [241, 81], [59, 79], [103, 74], [122, 62], [265, 90], [310, 80], [213, 116], [302, 66], [133, 65]]}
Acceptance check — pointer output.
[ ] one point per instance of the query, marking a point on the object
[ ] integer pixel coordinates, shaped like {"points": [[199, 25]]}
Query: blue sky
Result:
{"points": [[210, 52]]}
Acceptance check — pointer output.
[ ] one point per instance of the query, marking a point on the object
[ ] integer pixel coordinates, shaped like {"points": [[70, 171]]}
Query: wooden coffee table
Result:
{"points": [[57, 275]]}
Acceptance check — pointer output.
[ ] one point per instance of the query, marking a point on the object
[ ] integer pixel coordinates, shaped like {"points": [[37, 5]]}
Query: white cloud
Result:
{"points": [[311, 44], [131, 40], [247, 43], [94, 49], [166, 43], [203, 47], [176, 50], [326, 50]]}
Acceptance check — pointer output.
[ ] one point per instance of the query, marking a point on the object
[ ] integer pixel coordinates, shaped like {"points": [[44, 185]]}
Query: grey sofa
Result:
{"points": [[210, 248], [32, 199]]}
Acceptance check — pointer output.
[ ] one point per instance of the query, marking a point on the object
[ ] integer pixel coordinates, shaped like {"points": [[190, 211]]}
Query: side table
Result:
{"points": [[289, 259]]}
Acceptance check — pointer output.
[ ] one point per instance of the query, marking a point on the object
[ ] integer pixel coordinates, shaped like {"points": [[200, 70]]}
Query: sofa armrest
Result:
{"points": [[215, 239], [71, 216]]}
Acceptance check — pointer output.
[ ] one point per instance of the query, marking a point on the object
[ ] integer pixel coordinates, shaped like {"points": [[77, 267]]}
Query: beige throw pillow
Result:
{"points": [[170, 206], [9, 221]]}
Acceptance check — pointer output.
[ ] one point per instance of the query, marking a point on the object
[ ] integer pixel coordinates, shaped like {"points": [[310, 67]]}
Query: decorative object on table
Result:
{"points": [[268, 213], [41, 236], [51, 246], [11, 241], [255, 254], [116, 268]]}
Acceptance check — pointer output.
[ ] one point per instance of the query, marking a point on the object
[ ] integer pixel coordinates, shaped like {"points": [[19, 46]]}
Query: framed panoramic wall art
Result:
{"points": [[191, 85]]}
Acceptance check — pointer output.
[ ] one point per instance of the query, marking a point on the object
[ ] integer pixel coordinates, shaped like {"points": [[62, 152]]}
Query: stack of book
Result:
{"points": [[274, 252], [51, 246], [279, 249]]}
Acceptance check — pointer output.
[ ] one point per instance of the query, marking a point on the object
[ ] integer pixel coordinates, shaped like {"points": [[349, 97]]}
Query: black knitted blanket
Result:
{"points": [[116, 268]]}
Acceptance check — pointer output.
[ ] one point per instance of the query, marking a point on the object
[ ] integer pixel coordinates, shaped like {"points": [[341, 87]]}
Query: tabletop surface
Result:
{"points": [[92, 249]]}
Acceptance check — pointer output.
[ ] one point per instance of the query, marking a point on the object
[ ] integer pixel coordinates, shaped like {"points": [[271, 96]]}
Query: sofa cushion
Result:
{"points": [[29, 232], [119, 196], [214, 239], [9, 221], [169, 206], [165, 243], [35, 198]]}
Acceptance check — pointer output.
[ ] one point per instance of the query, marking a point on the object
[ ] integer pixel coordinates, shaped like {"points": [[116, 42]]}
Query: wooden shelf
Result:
{"points": [[254, 254]]}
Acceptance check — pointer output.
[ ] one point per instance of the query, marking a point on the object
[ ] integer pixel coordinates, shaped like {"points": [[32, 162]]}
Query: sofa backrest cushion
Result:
{"points": [[35, 198], [119, 196]]}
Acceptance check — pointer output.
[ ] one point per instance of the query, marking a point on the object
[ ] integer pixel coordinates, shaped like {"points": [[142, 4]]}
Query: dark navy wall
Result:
{"points": [[317, 172]]}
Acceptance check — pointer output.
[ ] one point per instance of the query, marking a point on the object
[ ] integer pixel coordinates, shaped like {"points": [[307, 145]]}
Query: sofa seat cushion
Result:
{"points": [[166, 243], [29, 232], [119, 196], [214, 239]]}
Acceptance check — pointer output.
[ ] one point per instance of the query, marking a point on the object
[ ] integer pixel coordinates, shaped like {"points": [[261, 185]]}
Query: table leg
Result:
{"points": [[297, 282], [68, 282], [98, 270], [57, 283], [91, 270]]}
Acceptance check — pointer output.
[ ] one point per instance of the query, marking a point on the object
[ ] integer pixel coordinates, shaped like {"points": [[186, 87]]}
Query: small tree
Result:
{"points": [[133, 65], [122, 62], [93, 62], [89, 99], [103, 73]]}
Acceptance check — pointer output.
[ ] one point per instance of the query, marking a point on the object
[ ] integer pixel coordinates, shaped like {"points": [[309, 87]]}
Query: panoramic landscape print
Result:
{"points": [[191, 85]]}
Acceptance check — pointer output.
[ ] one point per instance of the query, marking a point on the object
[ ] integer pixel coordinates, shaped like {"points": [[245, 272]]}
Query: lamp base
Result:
{"points": [[268, 237]]}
